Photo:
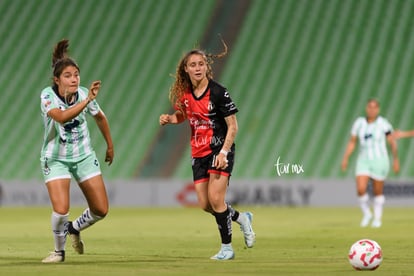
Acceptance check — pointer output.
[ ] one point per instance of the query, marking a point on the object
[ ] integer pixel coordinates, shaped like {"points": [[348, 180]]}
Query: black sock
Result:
{"points": [[233, 212], [224, 225], [72, 230]]}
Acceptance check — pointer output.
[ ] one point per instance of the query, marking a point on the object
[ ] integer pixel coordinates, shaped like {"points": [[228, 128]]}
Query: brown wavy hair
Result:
{"points": [[61, 59], [182, 80]]}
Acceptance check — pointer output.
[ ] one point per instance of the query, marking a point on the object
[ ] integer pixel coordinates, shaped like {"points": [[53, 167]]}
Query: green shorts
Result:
{"points": [[81, 170], [376, 168]]}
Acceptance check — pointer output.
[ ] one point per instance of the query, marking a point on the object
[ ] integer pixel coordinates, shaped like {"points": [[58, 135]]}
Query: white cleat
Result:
{"points": [[77, 243], [75, 238], [246, 228], [226, 253], [365, 220], [376, 223], [55, 257]]}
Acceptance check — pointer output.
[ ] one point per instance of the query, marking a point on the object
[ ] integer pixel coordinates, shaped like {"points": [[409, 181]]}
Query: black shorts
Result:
{"points": [[203, 166]]}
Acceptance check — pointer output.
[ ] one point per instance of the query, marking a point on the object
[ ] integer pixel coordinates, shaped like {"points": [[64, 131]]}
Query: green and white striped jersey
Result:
{"points": [[372, 137], [69, 141]]}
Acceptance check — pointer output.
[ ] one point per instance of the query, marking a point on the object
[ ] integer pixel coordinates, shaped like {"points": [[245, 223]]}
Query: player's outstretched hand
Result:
{"points": [[164, 119], [109, 157], [94, 89]]}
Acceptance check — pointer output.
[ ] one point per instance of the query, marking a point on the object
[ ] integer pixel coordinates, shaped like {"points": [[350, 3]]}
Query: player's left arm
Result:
{"points": [[103, 125], [398, 134], [232, 128], [394, 151]]}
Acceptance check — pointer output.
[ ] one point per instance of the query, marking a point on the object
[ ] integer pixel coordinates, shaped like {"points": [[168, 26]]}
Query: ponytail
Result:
{"points": [[61, 59]]}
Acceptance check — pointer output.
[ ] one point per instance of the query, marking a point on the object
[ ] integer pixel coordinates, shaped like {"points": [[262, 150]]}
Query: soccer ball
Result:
{"points": [[365, 254]]}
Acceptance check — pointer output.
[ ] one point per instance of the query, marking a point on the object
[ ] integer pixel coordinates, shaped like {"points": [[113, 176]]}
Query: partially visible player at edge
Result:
{"points": [[399, 134], [211, 114], [67, 151], [373, 162]]}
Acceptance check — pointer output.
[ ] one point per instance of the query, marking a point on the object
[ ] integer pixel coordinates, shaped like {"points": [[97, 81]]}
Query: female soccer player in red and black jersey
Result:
{"points": [[211, 114]]}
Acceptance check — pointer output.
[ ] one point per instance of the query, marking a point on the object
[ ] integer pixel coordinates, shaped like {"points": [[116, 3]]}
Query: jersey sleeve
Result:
{"points": [[388, 129], [93, 107], [48, 101], [181, 104], [226, 105], [355, 127]]}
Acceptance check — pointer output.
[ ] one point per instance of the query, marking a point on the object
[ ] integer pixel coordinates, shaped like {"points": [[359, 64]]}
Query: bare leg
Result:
{"points": [[202, 196], [58, 190]]}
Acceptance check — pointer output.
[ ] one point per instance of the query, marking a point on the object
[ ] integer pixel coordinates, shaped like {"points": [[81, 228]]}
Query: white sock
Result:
{"points": [[85, 220], [378, 206], [363, 203], [58, 222]]}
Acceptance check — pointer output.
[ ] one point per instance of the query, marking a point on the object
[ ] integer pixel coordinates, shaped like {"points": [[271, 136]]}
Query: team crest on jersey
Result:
{"points": [[47, 103], [210, 106]]}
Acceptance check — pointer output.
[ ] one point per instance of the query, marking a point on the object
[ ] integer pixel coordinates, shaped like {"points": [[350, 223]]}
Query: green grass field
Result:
{"points": [[177, 241]]}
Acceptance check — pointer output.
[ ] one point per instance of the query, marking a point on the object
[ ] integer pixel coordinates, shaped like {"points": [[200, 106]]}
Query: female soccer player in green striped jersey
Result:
{"points": [[67, 151], [373, 131]]}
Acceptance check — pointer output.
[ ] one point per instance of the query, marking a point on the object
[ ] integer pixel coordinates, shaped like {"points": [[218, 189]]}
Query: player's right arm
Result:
{"points": [[176, 118], [348, 151], [63, 116]]}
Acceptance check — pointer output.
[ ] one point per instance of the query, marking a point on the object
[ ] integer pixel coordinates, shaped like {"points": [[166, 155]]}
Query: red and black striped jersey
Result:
{"points": [[206, 115]]}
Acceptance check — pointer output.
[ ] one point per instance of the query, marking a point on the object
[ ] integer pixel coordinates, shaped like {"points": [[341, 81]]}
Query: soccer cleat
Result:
{"points": [[77, 243], [226, 253], [376, 223], [246, 228], [55, 257], [75, 238], [365, 220]]}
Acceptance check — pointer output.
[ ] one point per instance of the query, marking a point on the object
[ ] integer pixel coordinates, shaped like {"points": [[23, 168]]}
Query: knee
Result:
{"points": [[216, 202]]}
